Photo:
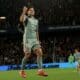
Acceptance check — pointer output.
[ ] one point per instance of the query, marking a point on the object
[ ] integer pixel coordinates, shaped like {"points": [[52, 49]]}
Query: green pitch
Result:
{"points": [[54, 74]]}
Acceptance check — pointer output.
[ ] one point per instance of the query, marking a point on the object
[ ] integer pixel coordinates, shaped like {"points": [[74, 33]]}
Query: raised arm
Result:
{"points": [[23, 15]]}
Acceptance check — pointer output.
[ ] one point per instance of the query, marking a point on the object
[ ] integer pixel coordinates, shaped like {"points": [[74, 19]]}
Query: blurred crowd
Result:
{"points": [[54, 50], [58, 50], [53, 12], [10, 51]]}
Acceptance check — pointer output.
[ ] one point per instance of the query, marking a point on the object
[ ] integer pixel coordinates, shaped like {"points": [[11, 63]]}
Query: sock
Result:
{"points": [[39, 62], [23, 63]]}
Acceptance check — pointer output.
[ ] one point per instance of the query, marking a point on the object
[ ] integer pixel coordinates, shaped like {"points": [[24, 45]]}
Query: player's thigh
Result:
{"points": [[27, 53], [38, 50], [27, 49]]}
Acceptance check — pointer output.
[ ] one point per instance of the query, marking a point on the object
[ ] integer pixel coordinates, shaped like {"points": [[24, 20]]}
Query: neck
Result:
{"points": [[31, 16]]}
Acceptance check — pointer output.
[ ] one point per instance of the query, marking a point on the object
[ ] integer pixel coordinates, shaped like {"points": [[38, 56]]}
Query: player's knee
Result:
{"points": [[27, 55], [38, 52]]}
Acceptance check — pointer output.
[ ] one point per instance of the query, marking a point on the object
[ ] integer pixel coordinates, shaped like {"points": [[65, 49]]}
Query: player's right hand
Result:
{"points": [[24, 9]]}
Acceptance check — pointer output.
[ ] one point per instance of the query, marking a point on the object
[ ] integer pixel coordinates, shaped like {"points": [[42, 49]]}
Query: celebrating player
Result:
{"points": [[77, 58], [31, 40]]}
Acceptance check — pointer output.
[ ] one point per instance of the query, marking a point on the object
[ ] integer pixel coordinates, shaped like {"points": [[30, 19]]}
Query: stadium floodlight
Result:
{"points": [[2, 17]]}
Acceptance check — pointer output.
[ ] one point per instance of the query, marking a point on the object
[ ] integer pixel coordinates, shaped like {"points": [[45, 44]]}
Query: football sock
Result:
{"points": [[23, 63], [39, 62]]}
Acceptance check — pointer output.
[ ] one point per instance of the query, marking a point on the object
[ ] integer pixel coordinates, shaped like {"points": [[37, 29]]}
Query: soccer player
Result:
{"points": [[77, 58], [71, 59], [31, 40]]}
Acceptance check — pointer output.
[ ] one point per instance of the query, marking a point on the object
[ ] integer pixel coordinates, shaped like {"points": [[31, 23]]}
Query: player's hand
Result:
{"points": [[24, 9]]}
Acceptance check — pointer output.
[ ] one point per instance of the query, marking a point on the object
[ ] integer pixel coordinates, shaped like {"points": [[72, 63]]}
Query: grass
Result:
{"points": [[54, 74]]}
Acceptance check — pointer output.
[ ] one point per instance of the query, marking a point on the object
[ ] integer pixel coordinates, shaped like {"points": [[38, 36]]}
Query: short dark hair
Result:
{"points": [[30, 7]]}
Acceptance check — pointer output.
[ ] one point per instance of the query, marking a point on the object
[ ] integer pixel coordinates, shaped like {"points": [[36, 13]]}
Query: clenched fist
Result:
{"points": [[24, 10]]}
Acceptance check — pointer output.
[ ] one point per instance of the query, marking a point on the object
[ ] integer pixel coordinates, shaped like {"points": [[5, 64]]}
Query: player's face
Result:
{"points": [[31, 12]]}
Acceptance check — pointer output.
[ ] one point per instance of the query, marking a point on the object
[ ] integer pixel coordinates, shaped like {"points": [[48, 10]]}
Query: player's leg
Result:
{"points": [[24, 61], [38, 52], [78, 67], [25, 58]]}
